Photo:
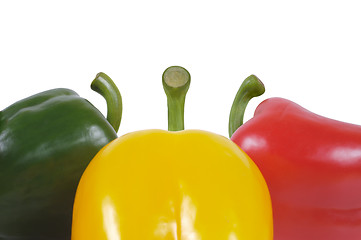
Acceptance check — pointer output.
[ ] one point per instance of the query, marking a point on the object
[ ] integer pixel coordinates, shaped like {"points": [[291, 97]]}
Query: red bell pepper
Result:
{"points": [[312, 166]]}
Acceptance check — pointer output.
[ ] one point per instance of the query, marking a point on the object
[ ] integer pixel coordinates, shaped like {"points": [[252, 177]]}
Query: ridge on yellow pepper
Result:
{"points": [[177, 184]]}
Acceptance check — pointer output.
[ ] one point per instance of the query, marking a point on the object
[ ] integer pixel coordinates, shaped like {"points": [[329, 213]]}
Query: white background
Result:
{"points": [[306, 51]]}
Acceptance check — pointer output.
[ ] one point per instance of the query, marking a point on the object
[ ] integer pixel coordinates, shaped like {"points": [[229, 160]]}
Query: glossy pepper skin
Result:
{"points": [[312, 166], [46, 142], [156, 184]]}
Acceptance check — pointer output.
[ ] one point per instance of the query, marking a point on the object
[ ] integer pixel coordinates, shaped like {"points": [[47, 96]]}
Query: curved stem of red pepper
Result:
{"points": [[105, 86], [176, 81], [251, 87]]}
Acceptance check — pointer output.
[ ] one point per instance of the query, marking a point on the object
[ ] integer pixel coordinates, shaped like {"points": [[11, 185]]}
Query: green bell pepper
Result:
{"points": [[46, 142]]}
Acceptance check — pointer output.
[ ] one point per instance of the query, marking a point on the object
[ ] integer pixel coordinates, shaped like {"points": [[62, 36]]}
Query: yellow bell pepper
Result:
{"points": [[184, 185]]}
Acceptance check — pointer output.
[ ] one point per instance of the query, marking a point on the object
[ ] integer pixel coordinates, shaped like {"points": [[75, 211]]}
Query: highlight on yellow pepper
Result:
{"points": [[172, 185]]}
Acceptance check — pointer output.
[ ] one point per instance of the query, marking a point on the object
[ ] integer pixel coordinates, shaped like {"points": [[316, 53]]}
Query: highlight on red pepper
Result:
{"points": [[176, 184], [46, 142], [312, 165]]}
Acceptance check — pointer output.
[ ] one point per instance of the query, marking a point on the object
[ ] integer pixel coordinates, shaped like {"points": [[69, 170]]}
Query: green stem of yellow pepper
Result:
{"points": [[251, 87], [176, 81], [105, 86]]}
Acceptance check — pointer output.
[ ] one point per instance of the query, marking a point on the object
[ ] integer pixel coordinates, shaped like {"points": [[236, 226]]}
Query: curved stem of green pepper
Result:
{"points": [[251, 87], [176, 81], [105, 86]]}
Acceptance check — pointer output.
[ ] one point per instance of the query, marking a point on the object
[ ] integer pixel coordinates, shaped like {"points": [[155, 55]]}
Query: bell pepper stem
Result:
{"points": [[251, 87], [176, 81], [105, 86]]}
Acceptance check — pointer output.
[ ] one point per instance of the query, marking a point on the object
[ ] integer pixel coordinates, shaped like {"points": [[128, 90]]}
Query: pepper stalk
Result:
{"points": [[105, 86], [176, 81], [250, 88]]}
